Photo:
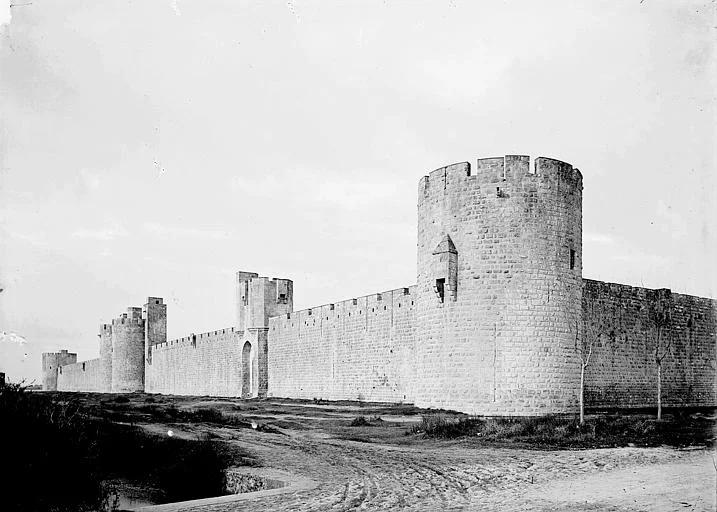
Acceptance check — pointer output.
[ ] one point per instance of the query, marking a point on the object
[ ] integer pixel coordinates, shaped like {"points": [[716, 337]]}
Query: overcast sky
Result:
{"points": [[154, 148]]}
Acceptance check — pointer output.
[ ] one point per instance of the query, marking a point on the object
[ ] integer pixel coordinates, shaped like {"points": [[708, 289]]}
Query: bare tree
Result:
{"points": [[662, 320], [597, 322], [584, 348]]}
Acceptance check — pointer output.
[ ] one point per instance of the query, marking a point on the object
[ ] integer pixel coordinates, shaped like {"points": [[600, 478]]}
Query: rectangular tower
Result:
{"points": [[243, 279], [258, 299], [155, 326]]}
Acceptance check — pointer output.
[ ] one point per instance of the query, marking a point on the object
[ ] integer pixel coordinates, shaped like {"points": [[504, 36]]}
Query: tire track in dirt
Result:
{"points": [[353, 475]]}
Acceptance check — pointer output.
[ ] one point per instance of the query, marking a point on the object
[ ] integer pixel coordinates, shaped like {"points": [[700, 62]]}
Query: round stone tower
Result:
{"points": [[128, 352], [499, 287], [105, 336]]}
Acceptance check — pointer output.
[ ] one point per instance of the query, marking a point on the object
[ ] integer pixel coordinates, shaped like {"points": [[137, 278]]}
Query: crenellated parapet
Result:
{"points": [[495, 170], [197, 340], [260, 298]]}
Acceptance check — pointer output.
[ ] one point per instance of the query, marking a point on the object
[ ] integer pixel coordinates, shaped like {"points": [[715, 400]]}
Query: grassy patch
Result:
{"points": [[152, 412], [678, 430]]}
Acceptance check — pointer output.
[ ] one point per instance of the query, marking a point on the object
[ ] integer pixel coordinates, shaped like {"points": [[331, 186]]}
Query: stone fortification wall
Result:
{"points": [[357, 349], [84, 376], [622, 371], [199, 364], [499, 284]]}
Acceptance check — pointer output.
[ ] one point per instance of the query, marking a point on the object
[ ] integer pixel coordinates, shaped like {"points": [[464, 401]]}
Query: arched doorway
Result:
{"points": [[246, 376]]}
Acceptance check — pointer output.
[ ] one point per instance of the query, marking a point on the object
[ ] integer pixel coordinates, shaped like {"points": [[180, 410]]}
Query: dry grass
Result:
{"points": [[560, 432]]}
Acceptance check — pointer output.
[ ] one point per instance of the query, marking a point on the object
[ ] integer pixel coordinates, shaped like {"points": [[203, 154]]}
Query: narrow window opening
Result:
{"points": [[572, 259], [441, 288]]}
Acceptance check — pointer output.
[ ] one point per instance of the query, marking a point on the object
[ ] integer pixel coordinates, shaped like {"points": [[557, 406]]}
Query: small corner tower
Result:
{"points": [[51, 362], [499, 286]]}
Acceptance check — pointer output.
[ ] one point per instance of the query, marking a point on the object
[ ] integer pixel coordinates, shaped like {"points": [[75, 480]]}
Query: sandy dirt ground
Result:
{"points": [[458, 475]]}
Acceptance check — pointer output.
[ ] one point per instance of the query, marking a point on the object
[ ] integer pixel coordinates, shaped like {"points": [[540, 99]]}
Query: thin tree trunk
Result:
{"points": [[659, 391], [582, 394]]}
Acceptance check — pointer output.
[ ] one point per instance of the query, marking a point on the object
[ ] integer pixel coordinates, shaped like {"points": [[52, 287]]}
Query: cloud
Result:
{"points": [[163, 230], [13, 353], [669, 221], [5, 14], [11, 337], [598, 238], [105, 234], [314, 187]]}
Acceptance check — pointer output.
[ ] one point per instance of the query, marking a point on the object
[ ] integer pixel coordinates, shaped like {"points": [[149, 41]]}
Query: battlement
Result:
{"points": [[364, 305], [258, 298], [123, 320], [194, 339], [496, 170], [64, 353], [52, 362], [134, 312]]}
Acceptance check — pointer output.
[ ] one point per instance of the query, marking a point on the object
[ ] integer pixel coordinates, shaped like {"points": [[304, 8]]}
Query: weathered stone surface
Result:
{"points": [[84, 376], [622, 371], [357, 349]]}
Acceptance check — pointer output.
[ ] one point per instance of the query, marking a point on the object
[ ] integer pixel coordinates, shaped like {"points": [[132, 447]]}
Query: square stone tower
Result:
{"points": [[257, 300]]}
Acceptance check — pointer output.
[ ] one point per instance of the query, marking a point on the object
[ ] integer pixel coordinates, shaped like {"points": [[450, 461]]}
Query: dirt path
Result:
{"points": [[685, 484], [451, 476]]}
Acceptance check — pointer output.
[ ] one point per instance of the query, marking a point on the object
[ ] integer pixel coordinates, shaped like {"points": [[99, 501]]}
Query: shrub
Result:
{"points": [[363, 421], [204, 414], [47, 445], [441, 425], [360, 421]]}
